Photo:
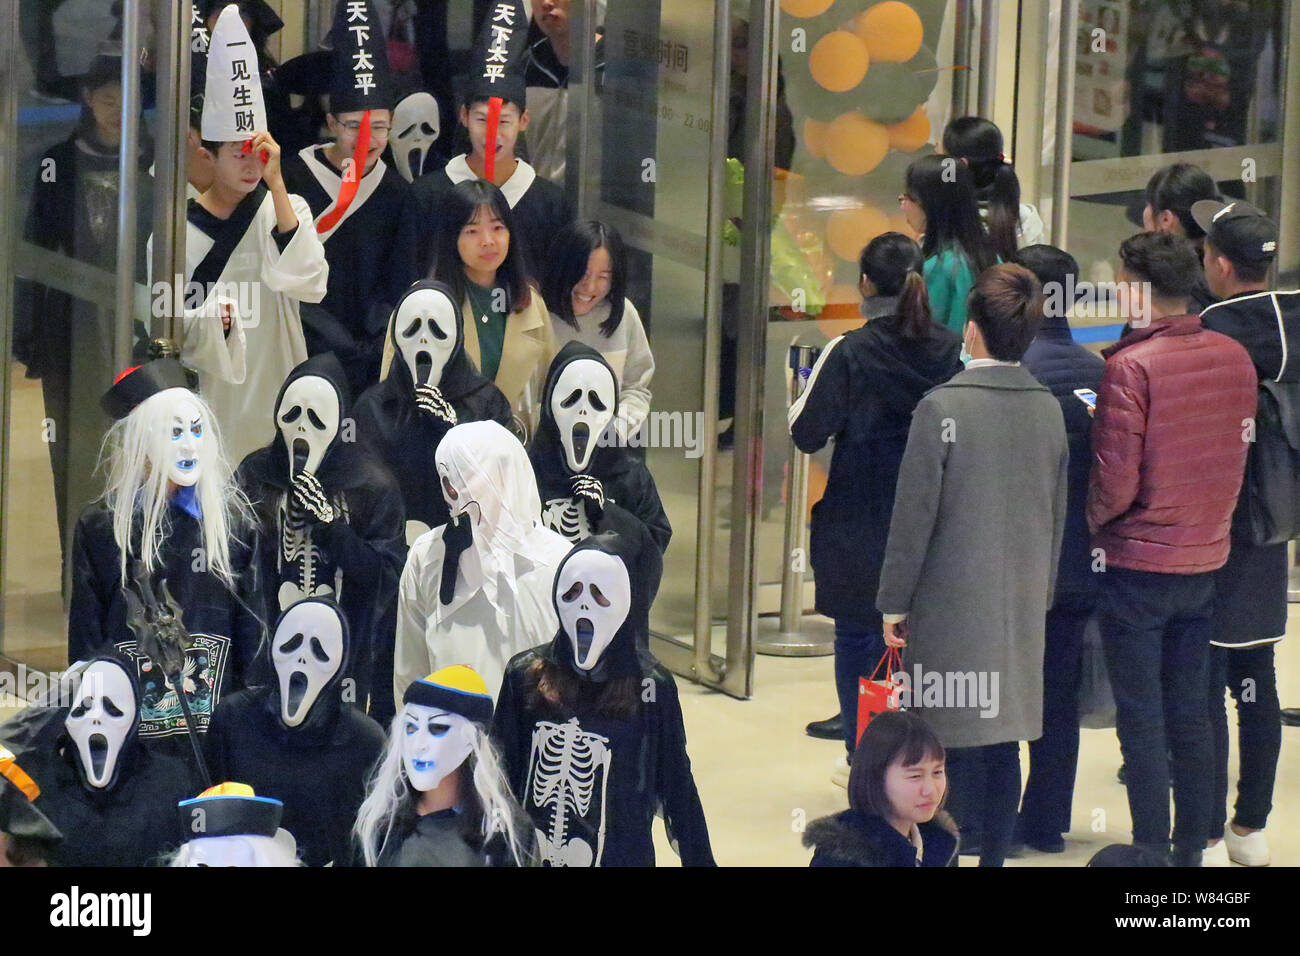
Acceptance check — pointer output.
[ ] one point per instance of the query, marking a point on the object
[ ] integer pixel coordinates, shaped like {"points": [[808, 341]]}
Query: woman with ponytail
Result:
{"points": [[1011, 224], [861, 393]]}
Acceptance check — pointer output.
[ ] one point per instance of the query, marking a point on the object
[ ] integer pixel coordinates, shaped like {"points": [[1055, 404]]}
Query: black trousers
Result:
{"points": [[984, 792], [1156, 631], [1054, 757], [1249, 676]]}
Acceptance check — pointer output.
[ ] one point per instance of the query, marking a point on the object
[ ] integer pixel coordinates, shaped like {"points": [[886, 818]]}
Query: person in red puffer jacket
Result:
{"points": [[1175, 411]]}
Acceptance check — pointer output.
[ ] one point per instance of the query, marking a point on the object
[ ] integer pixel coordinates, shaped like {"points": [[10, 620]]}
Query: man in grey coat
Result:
{"points": [[970, 565]]}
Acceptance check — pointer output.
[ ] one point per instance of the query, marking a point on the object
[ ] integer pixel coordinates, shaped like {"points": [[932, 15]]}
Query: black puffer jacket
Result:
{"points": [[1062, 365], [853, 838]]}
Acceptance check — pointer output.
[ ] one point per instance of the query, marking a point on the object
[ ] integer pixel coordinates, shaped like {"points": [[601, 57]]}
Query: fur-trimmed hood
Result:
{"points": [[852, 838]]}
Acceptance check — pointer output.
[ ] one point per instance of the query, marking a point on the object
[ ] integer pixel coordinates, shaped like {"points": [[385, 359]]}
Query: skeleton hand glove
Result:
{"points": [[430, 401], [311, 498], [588, 489]]}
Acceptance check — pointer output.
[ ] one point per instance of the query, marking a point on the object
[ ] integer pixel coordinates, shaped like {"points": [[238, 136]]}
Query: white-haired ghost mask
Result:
{"points": [[101, 719], [307, 651], [416, 125], [434, 743], [425, 329], [178, 434], [308, 418], [594, 597], [582, 403]]}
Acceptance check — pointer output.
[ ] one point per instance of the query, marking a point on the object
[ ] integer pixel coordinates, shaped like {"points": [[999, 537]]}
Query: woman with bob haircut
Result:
{"points": [[507, 328], [897, 791]]}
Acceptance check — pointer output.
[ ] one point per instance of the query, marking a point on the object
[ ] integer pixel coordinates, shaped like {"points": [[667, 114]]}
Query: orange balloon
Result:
{"points": [[806, 8], [838, 61], [891, 30], [912, 133], [814, 137], [855, 145], [849, 230]]}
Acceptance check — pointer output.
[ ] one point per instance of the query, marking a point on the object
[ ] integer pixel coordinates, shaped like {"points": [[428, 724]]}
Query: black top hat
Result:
{"points": [[1238, 230], [142, 381]]}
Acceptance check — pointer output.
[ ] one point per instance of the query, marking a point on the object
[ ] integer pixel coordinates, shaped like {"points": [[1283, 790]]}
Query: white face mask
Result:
{"points": [[179, 435], [434, 743], [308, 418], [416, 125], [582, 403], [101, 718], [594, 598], [307, 652], [425, 329], [249, 850]]}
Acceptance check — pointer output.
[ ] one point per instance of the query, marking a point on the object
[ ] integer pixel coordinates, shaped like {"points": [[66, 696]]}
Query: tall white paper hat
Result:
{"points": [[233, 108]]}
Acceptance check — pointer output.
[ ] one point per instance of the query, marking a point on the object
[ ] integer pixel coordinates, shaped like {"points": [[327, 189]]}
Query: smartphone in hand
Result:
{"points": [[1087, 396]]}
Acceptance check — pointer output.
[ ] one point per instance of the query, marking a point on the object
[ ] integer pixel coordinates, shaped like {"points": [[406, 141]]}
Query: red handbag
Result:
{"points": [[878, 696]]}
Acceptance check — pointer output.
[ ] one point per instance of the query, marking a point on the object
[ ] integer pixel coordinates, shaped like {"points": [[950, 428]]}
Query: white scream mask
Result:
{"points": [[416, 125], [434, 743], [307, 652], [425, 329], [102, 717], [308, 418], [179, 434], [582, 403], [594, 597]]}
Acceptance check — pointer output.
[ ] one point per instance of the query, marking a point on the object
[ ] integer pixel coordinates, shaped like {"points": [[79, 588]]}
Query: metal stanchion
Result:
{"points": [[796, 637]]}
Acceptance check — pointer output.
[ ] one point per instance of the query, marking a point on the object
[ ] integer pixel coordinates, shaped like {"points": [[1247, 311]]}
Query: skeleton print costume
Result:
{"points": [[112, 798], [298, 739], [330, 514], [588, 482], [590, 726]]}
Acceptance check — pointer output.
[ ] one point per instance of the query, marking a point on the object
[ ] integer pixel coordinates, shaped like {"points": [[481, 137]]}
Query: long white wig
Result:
{"points": [[135, 490], [390, 796]]}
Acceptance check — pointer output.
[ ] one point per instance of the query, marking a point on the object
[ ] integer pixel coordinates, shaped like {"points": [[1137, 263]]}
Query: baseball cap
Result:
{"points": [[1237, 229]]}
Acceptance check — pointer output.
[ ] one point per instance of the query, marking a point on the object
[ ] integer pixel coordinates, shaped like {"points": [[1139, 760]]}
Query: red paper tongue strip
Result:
{"points": [[490, 144], [351, 179]]}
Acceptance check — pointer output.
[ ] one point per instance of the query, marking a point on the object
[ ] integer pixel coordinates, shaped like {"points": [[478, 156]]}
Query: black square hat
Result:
{"points": [[142, 381], [1237, 229]]}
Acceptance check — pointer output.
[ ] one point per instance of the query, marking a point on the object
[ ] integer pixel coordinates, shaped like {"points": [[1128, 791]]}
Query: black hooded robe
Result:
{"points": [[639, 762], [357, 558], [623, 475], [319, 769]]}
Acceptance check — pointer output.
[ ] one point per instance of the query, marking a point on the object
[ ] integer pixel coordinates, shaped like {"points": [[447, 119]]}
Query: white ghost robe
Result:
{"points": [[240, 374], [483, 626]]}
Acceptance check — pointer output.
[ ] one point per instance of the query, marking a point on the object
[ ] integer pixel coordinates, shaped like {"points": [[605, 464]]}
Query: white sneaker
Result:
{"points": [[840, 775], [1216, 855], [1249, 850]]}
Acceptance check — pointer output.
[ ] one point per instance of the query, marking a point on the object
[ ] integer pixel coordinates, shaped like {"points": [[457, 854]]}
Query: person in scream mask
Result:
{"points": [[329, 512], [439, 796], [588, 481], [170, 513], [295, 740], [478, 589], [230, 825], [106, 793], [427, 385], [591, 729]]}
